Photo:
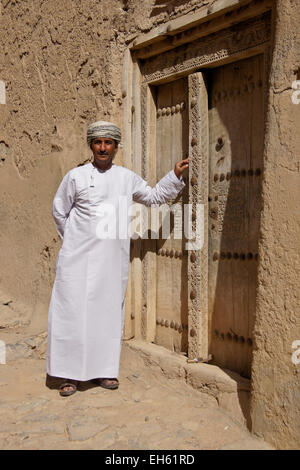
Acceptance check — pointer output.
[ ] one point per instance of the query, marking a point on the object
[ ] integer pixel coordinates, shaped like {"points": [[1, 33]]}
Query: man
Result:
{"points": [[86, 313]]}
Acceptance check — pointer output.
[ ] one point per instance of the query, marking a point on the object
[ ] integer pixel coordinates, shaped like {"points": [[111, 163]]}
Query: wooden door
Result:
{"points": [[236, 131], [171, 263]]}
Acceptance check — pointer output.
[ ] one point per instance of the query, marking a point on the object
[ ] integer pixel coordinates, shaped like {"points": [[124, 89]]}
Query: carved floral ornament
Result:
{"points": [[212, 48]]}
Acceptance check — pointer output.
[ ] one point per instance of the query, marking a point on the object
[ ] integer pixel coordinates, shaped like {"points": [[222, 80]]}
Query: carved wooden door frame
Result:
{"points": [[247, 38]]}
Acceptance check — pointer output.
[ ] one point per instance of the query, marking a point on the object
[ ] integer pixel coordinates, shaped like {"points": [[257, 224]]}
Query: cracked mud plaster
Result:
{"points": [[275, 379]]}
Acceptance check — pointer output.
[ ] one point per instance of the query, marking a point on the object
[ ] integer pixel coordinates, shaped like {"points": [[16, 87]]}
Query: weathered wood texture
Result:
{"points": [[236, 138], [172, 136]]}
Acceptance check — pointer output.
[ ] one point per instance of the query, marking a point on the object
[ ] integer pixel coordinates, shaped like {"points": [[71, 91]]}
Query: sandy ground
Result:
{"points": [[148, 411]]}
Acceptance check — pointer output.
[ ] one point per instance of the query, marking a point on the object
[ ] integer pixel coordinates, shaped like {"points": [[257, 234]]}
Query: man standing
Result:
{"points": [[86, 313]]}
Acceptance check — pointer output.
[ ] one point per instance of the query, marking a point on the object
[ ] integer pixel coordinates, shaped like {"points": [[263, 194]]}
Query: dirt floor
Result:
{"points": [[148, 411]]}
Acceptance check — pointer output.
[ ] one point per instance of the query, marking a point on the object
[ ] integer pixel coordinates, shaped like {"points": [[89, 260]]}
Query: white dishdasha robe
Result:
{"points": [[86, 312]]}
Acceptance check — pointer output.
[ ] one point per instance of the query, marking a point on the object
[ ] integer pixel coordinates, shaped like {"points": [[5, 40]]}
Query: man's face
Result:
{"points": [[104, 151]]}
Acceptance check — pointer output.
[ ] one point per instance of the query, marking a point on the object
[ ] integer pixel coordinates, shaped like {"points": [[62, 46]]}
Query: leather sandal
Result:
{"points": [[67, 393], [111, 384]]}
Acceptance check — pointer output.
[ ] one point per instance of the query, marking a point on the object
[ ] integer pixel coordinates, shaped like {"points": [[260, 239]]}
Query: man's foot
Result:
{"points": [[111, 384], [68, 388]]}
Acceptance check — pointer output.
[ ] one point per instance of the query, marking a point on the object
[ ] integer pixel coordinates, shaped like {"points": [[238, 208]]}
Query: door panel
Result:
{"points": [[236, 131], [171, 146]]}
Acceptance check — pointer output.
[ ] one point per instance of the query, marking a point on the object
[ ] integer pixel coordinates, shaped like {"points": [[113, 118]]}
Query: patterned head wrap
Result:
{"points": [[104, 129]]}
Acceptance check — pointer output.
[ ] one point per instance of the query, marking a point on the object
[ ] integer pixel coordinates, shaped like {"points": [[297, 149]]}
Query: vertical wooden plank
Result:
{"points": [[150, 255], [198, 197], [135, 111], [127, 160], [127, 103], [148, 272], [236, 145], [172, 145]]}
